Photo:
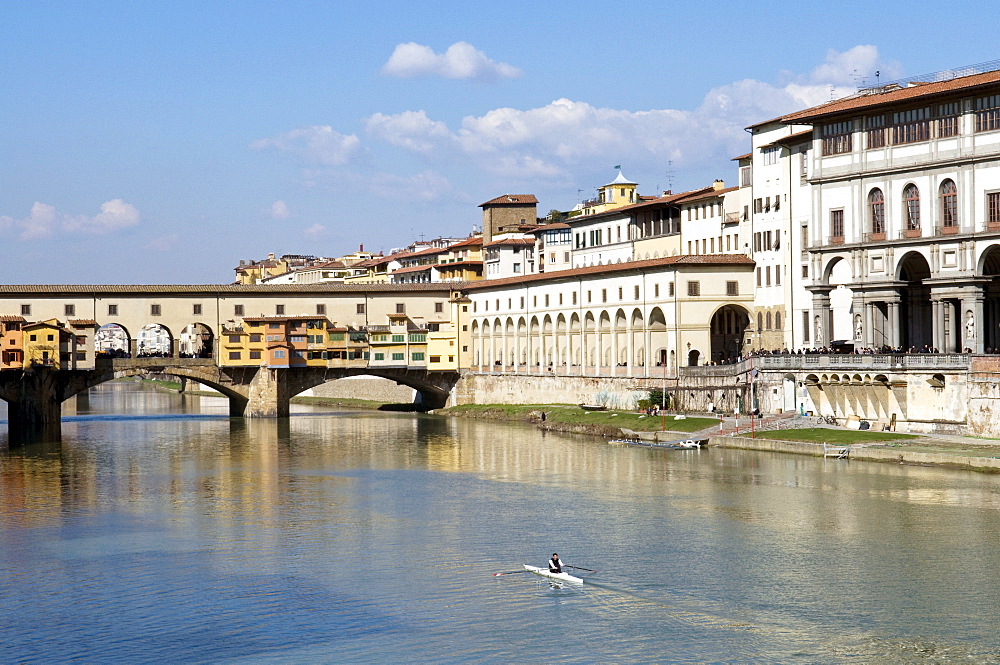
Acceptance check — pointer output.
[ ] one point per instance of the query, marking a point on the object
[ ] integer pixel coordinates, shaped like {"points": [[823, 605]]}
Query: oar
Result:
{"points": [[579, 568], [509, 572]]}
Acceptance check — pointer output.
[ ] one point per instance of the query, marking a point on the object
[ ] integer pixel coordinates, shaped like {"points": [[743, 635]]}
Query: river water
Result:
{"points": [[161, 530]]}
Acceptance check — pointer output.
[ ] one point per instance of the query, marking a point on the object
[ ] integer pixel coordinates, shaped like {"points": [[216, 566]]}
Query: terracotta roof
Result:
{"points": [[81, 323], [399, 271], [551, 227], [715, 193], [457, 264], [468, 242], [511, 241], [746, 156], [12, 318], [212, 290], [511, 199], [866, 100], [279, 319], [791, 139], [682, 260]]}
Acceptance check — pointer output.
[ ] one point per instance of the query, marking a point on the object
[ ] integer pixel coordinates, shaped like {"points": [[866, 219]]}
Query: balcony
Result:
{"points": [[910, 233], [835, 240], [732, 218], [874, 237], [946, 230]]}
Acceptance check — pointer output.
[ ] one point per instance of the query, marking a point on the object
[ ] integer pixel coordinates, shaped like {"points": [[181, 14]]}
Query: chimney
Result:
{"points": [[270, 256], [718, 184], [361, 248]]}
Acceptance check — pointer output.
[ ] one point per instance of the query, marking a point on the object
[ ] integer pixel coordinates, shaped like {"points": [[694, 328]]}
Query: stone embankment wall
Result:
{"points": [[696, 393], [364, 387]]}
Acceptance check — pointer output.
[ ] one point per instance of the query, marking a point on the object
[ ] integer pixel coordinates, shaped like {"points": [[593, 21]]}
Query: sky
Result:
{"points": [[161, 143]]}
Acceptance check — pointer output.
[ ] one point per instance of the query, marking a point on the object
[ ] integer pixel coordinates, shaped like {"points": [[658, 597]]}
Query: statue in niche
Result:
{"points": [[858, 327], [970, 325], [819, 331]]}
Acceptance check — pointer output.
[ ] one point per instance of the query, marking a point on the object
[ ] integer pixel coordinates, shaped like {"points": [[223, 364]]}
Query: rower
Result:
{"points": [[555, 565]]}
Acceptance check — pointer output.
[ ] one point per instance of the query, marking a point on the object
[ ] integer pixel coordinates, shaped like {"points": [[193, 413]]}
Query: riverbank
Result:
{"points": [[796, 435], [574, 419]]}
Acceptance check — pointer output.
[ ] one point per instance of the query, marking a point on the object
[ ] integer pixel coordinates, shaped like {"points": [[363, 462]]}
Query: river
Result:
{"points": [[162, 530]]}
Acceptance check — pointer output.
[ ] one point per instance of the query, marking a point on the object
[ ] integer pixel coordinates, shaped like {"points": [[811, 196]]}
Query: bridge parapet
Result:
{"points": [[861, 362]]}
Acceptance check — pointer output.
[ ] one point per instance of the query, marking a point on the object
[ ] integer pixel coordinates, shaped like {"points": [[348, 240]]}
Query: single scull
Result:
{"points": [[559, 577]]}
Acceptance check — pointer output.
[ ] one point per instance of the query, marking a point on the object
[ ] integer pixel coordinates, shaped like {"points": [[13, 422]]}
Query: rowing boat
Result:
{"points": [[558, 577]]}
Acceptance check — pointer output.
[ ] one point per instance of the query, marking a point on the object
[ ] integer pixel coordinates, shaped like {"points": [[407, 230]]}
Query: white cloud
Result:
{"points": [[280, 210], [461, 61], [552, 142], [319, 143], [114, 216], [44, 220], [315, 232]]}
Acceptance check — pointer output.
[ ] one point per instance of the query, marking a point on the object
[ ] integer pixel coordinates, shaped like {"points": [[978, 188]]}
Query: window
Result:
{"points": [[69, 310], [574, 297], [837, 138], [401, 308], [911, 126], [949, 204], [694, 288], [760, 273], [399, 356], [745, 176], [670, 290], [255, 355], [604, 295], [732, 288], [837, 225], [279, 353], [760, 321], [947, 123], [522, 302], [546, 299], [876, 211], [620, 293], [911, 204], [988, 113], [636, 292], [993, 208], [767, 275], [237, 310], [805, 326], [875, 131], [297, 338], [154, 310], [434, 359], [235, 355], [771, 155], [438, 307], [398, 338], [112, 310], [320, 309], [656, 290], [379, 356], [255, 338], [768, 319], [196, 310], [419, 356], [279, 310], [25, 310], [234, 339], [777, 320], [517, 267]]}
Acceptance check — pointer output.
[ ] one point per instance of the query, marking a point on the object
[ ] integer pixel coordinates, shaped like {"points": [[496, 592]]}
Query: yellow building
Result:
{"points": [[616, 194]]}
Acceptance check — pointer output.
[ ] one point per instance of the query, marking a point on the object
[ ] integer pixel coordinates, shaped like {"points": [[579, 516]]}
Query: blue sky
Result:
{"points": [[163, 142]]}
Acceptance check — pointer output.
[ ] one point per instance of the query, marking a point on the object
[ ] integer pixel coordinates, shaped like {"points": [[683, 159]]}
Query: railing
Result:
{"points": [[845, 361], [946, 230], [732, 218], [139, 363]]}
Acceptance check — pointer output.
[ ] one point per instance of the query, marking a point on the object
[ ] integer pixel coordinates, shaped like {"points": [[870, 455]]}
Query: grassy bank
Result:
{"points": [[834, 436], [571, 418]]}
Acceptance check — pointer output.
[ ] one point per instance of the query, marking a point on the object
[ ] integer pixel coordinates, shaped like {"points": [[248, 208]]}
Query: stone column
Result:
{"points": [[868, 321], [937, 324], [630, 361], [892, 323], [517, 350], [599, 350], [34, 415], [821, 308], [648, 355]]}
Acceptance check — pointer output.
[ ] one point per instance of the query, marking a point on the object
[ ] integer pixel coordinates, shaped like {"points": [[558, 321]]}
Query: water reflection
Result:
{"points": [[335, 536]]}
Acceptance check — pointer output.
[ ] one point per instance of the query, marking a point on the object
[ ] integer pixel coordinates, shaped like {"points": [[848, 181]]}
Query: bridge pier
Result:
{"points": [[34, 406], [267, 395]]}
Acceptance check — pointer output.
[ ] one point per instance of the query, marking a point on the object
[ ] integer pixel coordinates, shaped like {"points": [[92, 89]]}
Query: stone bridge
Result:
{"points": [[35, 395]]}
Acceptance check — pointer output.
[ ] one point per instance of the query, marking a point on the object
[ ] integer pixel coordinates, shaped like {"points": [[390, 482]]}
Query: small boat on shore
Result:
{"points": [[593, 407], [687, 444], [555, 577]]}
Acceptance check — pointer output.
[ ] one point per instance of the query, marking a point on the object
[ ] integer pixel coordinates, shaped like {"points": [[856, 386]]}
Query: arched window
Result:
{"points": [[911, 202], [777, 320], [768, 320], [949, 204], [876, 211], [760, 321]]}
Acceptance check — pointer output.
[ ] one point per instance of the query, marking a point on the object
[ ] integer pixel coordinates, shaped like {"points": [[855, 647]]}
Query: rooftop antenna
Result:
{"points": [[670, 175], [579, 195], [876, 77]]}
